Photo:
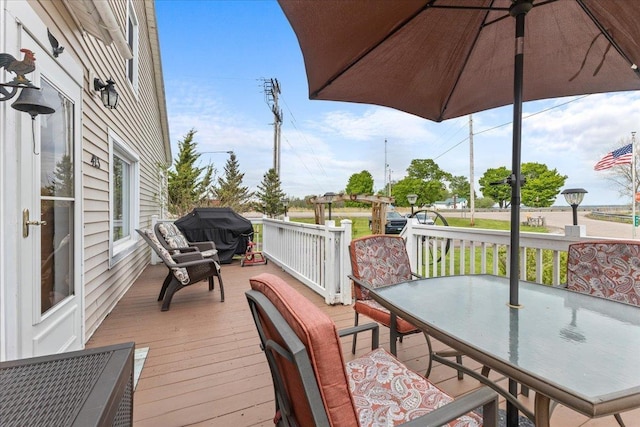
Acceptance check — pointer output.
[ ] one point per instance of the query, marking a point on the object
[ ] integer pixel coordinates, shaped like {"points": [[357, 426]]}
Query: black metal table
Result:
{"points": [[81, 388]]}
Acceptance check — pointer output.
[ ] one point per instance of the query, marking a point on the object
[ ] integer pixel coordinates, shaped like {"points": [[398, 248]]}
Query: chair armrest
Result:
{"points": [[375, 332], [417, 276], [360, 283], [185, 249], [484, 397], [187, 256], [194, 263], [203, 246]]}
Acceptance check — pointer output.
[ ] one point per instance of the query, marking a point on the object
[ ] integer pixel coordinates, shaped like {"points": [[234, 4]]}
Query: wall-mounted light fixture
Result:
{"points": [[107, 91]]}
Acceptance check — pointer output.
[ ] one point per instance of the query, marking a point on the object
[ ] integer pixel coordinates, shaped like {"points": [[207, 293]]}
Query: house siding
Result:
{"points": [[139, 120]]}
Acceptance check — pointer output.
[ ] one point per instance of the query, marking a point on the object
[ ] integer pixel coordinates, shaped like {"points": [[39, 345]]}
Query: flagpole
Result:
{"points": [[633, 185]]}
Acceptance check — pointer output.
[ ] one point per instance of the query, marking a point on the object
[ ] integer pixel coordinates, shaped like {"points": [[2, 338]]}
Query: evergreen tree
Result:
{"points": [[230, 191], [188, 185], [270, 194]]}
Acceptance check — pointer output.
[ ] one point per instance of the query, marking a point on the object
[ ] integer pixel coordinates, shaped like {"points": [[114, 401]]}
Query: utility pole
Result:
{"points": [[387, 184], [271, 92], [472, 199]]}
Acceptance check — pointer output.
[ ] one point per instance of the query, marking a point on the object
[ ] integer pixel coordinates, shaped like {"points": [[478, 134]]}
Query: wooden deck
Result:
{"points": [[204, 366]]}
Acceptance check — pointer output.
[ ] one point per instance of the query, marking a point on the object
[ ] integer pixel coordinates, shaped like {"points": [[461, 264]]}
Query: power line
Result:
{"points": [[511, 122]]}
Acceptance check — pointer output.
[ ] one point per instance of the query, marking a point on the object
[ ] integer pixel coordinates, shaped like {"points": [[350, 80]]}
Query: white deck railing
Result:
{"points": [[318, 255], [442, 251]]}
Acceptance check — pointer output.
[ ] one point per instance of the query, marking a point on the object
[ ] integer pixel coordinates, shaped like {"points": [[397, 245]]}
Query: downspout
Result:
{"points": [[111, 25]]}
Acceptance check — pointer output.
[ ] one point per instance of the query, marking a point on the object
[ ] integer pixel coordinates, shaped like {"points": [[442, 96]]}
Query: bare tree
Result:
{"points": [[621, 176]]}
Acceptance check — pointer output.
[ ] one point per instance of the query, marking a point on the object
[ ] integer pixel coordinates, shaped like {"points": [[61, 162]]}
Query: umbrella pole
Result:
{"points": [[518, 10]]}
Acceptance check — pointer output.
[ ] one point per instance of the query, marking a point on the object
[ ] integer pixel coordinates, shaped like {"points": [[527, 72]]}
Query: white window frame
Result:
{"points": [[132, 39], [118, 250]]}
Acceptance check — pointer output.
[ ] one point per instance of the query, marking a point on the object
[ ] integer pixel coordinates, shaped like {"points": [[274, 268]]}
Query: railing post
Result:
{"points": [[345, 262], [330, 267], [412, 249]]}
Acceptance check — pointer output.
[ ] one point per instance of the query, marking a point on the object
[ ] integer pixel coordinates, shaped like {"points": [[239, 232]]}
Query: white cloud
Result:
{"points": [[320, 151]]}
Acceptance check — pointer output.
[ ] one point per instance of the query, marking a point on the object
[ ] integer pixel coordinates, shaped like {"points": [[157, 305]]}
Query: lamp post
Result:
{"points": [[329, 196], [574, 197], [285, 203], [264, 208], [412, 198]]}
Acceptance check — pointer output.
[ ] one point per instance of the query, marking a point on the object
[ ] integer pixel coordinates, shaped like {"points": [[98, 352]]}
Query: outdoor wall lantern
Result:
{"points": [[107, 91], [412, 199], [285, 203], [574, 197], [329, 197]]}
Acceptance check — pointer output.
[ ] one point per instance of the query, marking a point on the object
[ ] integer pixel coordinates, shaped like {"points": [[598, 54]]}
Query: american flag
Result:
{"points": [[617, 157]]}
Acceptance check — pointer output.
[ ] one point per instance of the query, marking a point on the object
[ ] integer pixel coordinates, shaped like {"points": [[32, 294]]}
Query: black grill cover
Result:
{"points": [[230, 231]]}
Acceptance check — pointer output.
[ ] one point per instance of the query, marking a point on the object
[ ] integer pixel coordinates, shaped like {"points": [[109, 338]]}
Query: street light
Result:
{"points": [[412, 199], [574, 197], [285, 203], [329, 196]]}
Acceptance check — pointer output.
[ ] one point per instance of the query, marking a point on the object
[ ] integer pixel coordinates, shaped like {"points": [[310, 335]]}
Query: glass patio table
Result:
{"points": [[578, 350]]}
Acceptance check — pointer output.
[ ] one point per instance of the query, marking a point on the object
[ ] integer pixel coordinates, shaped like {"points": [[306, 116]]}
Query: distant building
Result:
{"points": [[451, 203]]}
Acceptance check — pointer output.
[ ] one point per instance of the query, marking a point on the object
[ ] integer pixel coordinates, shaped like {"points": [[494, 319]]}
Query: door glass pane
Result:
{"points": [[56, 253], [56, 199], [56, 145]]}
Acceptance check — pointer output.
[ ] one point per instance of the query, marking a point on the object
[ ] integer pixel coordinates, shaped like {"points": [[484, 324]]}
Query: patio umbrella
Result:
{"points": [[441, 59]]}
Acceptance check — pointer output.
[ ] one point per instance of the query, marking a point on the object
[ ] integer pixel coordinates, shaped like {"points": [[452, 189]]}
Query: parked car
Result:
{"points": [[394, 224], [422, 218]]}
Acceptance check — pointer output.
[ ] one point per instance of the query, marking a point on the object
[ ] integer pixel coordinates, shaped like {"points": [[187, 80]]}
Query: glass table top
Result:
{"points": [[586, 345]]}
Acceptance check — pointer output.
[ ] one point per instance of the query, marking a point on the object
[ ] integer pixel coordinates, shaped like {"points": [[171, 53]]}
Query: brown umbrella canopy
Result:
{"points": [[438, 62], [441, 59]]}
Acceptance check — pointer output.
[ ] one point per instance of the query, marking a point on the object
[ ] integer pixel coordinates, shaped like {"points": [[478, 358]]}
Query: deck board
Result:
{"points": [[205, 367]]}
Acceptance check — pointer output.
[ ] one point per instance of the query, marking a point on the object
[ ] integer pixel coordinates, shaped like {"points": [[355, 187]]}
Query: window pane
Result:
{"points": [[121, 198]]}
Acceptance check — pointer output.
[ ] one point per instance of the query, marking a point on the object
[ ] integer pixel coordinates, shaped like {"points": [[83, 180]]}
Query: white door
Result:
{"points": [[49, 158]]}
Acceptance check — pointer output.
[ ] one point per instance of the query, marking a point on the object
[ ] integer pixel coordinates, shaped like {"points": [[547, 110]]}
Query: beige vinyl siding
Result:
{"points": [[139, 120]]}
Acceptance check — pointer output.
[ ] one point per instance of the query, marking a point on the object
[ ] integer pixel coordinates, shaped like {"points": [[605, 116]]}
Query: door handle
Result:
{"points": [[26, 222]]}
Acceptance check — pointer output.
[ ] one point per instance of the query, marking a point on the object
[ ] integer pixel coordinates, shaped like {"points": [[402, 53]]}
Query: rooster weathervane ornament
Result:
{"points": [[19, 68]]}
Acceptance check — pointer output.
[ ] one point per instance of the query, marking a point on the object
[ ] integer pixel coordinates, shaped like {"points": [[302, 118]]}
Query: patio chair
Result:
{"points": [[382, 260], [173, 240], [184, 269], [314, 387], [606, 268]]}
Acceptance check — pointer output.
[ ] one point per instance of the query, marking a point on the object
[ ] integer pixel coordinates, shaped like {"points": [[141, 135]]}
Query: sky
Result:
{"points": [[216, 56]]}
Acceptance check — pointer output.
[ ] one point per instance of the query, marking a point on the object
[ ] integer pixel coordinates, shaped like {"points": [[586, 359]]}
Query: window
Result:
{"points": [[132, 40], [124, 209]]}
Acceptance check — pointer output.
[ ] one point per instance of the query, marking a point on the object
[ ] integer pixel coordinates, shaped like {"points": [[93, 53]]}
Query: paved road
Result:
{"points": [[557, 220]]}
